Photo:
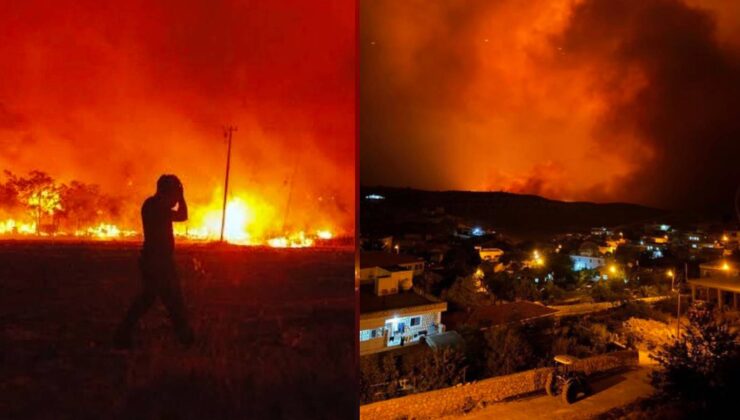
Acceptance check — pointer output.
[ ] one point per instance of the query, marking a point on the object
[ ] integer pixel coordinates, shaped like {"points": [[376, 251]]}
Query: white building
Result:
{"points": [[392, 314], [489, 254], [719, 282], [374, 264], [585, 262]]}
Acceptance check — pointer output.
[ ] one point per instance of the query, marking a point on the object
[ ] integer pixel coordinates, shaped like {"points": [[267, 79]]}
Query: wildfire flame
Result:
{"points": [[250, 220]]}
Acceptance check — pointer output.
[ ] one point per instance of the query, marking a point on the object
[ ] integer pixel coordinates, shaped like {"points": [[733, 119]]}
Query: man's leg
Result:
{"points": [[141, 304], [138, 308], [171, 296]]}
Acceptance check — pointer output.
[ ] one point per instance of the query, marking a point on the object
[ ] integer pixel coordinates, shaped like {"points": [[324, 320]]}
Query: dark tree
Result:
{"points": [[508, 350], [461, 261], [561, 267], [501, 285], [436, 369], [702, 368]]}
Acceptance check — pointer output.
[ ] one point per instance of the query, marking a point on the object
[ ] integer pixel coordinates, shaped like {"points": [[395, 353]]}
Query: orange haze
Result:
{"points": [[603, 100], [116, 93]]}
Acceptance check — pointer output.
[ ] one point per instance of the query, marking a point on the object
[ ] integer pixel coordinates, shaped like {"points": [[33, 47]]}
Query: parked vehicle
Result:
{"points": [[566, 381]]}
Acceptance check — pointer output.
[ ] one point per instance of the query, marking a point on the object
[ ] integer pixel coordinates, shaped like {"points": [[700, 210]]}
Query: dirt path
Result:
{"points": [[608, 393]]}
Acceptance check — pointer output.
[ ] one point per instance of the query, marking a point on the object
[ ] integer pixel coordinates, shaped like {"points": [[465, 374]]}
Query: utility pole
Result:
{"points": [[228, 134], [678, 310], [290, 193]]}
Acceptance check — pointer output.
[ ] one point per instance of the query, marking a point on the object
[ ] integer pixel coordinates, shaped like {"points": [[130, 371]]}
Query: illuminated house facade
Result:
{"points": [[392, 314], [719, 282], [398, 320], [584, 262], [489, 254]]}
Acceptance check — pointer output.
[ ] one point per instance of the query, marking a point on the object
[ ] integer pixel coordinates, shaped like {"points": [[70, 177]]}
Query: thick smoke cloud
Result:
{"points": [[116, 93], [605, 100]]}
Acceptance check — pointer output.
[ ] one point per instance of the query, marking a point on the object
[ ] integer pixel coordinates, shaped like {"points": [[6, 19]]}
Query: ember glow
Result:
{"points": [[114, 94]]}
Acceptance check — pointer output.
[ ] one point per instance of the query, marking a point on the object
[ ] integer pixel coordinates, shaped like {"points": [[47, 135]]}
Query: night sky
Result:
{"points": [[118, 92], [598, 100]]}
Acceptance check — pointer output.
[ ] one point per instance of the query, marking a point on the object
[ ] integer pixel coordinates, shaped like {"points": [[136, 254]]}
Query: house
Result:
{"points": [[585, 262], [391, 317], [589, 249], [719, 282], [730, 239], [601, 231], [372, 264], [489, 254], [588, 256]]}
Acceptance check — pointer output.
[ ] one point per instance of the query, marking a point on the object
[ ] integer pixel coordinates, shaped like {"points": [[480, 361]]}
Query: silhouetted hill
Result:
{"points": [[514, 212]]}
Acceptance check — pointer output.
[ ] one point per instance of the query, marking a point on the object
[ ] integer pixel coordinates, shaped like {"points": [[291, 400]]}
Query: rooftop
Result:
{"points": [[394, 268], [370, 302], [383, 259], [445, 339], [720, 264], [730, 284]]}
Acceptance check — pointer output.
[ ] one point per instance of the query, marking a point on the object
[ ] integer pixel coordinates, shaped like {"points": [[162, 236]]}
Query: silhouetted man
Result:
{"points": [[158, 276]]}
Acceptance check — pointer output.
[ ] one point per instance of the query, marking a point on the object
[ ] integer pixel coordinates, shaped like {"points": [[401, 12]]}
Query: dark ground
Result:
{"points": [[275, 331]]}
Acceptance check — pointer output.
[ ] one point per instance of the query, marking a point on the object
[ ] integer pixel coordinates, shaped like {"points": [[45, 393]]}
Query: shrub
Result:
{"points": [[702, 368], [552, 292], [379, 377], [642, 310], [436, 369], [508, 350]]}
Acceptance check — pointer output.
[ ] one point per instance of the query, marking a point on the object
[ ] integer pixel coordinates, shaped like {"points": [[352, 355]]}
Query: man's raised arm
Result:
{"points": [[181, 214]]}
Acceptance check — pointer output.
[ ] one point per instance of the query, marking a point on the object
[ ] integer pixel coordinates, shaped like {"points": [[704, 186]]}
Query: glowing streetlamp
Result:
{"points": [[725, 266], [538, 260]]}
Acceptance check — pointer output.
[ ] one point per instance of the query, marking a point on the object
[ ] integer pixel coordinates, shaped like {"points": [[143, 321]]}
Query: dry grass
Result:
{"points": [[275, 335]]}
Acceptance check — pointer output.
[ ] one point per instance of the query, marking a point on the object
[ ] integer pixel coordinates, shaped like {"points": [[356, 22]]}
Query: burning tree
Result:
{"points": [[80, 205], [38, 193], [84, 205]]}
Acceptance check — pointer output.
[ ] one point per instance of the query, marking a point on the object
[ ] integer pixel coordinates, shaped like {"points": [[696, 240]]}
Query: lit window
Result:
{"points": [[415, 321]]}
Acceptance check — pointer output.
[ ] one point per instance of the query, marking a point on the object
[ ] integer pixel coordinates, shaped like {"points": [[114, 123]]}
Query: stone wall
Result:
{"points": [[585, 308], [462, 398]]}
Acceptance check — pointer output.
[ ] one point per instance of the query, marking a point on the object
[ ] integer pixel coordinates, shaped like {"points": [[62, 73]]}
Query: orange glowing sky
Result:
{"points": [[116, 93], [599, 100]]}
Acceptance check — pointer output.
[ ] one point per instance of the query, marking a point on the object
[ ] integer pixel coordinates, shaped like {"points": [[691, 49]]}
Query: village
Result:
{"points": [[449, 302]]}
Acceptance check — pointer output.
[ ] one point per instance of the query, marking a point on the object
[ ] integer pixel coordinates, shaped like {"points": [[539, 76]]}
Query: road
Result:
{"points": [[608, 393]]}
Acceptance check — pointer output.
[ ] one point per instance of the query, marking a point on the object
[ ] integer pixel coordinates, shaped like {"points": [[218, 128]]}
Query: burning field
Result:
{"points": [[101, 98], [268, 324], [39, 206]]}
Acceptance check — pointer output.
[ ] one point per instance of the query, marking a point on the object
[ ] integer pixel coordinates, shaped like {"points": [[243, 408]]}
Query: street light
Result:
{"points": [[672, 275]]}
